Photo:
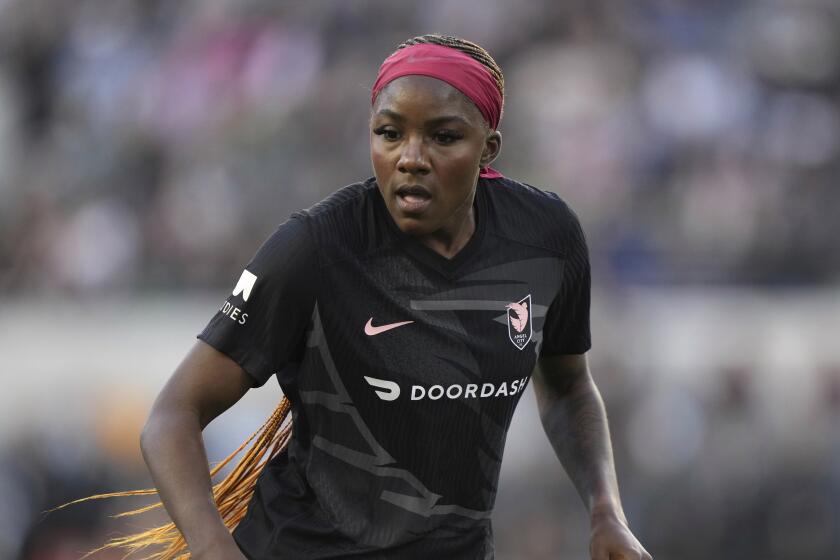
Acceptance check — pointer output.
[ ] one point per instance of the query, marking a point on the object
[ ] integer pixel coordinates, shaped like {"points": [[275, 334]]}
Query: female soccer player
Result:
{"points": [[403, 317]]}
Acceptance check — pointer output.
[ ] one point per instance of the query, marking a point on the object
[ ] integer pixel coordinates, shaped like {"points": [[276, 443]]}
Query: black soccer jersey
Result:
{"points": [[403, 368]]}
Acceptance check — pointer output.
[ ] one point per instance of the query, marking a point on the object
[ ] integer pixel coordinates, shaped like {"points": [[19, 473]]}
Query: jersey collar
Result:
{"points": [[417, 250]]}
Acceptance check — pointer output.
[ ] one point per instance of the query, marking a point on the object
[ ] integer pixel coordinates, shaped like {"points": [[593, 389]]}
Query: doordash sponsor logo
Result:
{"points": [[468, 391], [390, 391], [386, 390]]}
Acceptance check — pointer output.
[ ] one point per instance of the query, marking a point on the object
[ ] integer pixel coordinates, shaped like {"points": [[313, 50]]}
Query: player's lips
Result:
{"points": [[413, 199]]}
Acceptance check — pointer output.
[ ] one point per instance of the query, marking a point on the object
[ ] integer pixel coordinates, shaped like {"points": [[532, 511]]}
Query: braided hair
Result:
{"points": [[233, 493]]}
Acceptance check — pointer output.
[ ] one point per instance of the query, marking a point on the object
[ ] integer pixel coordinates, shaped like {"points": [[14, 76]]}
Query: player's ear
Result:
{"points": [[492, 147]]}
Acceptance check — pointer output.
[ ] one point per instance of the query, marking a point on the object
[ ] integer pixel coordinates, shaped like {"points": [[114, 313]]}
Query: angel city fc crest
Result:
{"points": [[519, 322]]}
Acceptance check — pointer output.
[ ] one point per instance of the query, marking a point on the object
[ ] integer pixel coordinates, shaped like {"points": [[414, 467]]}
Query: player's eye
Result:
{"points": [[447, 136], [387, 133]]}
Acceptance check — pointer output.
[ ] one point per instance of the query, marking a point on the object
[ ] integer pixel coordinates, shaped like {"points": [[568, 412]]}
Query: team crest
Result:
{"points": [[519, 322]]}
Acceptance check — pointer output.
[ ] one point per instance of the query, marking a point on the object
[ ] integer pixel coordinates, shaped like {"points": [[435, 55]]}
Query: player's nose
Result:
{"points": [[413, 157]]}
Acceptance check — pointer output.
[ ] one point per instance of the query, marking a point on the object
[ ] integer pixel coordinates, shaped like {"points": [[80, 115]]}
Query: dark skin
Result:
{"points": [[204, 385], [425, 136], [574, 418], [424, 132]]}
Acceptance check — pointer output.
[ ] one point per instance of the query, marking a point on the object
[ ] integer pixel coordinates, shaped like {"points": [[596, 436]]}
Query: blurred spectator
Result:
{"points": [[697, 144]]}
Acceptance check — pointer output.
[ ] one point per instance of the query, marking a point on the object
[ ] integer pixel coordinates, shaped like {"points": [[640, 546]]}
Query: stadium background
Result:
{"points": [[148, 147]]}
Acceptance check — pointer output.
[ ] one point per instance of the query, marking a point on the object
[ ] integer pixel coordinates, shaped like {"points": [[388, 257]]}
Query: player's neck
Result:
{"points": [[454, 236]]}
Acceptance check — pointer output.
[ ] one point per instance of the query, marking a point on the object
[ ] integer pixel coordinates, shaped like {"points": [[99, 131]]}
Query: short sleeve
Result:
{"points": [[566, 329], [262, 323]]}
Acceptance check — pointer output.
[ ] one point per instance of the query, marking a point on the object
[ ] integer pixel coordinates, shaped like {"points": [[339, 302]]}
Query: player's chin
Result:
{"points": [[415, 224]]}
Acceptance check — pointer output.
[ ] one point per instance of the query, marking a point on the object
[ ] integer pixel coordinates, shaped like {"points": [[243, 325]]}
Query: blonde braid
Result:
{"points": [[232, 495]]}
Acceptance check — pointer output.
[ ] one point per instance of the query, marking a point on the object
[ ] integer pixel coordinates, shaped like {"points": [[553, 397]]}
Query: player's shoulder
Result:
{"points": [[345, 201], [339, 221], [532, 215], [519, 196]]}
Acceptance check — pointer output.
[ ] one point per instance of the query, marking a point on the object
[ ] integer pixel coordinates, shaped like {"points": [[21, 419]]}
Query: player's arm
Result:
{"points": [[204, 385], [574, 418]]}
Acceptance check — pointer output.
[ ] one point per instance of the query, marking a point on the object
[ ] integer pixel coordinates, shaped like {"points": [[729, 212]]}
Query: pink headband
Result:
{"points": [[452, 66]]}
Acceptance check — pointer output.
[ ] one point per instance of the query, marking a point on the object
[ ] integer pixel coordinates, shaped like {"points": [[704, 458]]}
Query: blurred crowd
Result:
{"points": [[150, 146], [702, 477]]}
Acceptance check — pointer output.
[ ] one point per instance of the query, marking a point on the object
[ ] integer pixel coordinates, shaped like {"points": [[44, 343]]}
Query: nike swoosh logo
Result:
{"points": [[370, 330]]}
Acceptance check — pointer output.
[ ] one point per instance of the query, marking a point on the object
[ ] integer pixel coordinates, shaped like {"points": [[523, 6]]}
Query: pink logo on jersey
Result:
{"points": [[371, 330], [519, 322]]}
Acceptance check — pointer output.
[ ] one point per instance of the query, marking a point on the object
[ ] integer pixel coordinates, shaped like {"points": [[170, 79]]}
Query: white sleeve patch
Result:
{"points": [[245, 285]]}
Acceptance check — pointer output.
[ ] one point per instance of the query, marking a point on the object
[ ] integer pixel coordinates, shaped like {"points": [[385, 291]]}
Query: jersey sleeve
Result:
{"points": [[262, 323], [566, 329]]}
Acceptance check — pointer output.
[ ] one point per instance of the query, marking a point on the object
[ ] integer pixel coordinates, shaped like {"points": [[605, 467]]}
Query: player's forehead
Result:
{"points": [[422, 98]]}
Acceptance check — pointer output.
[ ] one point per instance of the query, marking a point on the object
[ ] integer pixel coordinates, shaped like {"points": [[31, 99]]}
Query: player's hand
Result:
{"points": [[611, 539]]}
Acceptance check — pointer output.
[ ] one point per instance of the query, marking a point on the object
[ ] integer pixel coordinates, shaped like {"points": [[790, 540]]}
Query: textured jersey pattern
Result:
{"points": [[399, 432]]}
